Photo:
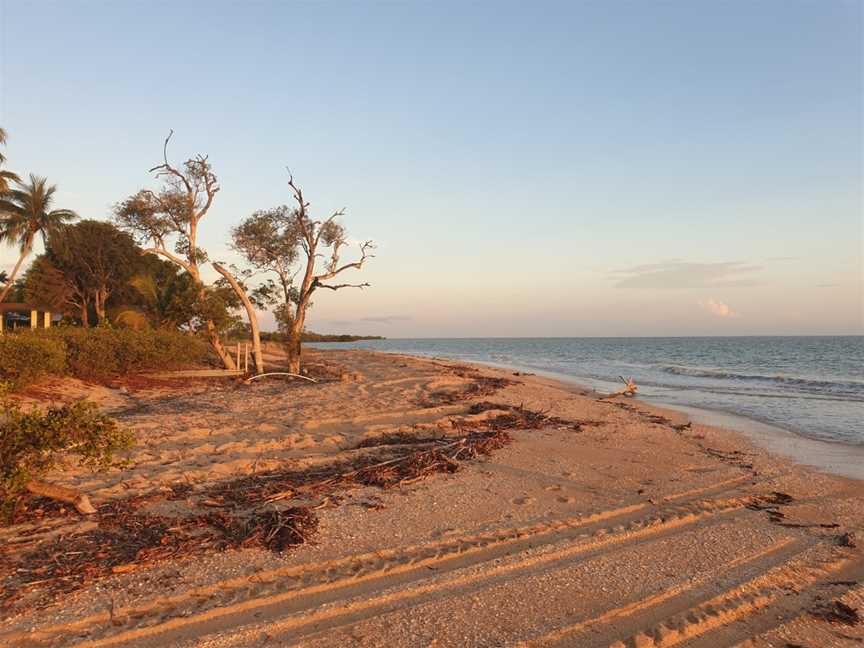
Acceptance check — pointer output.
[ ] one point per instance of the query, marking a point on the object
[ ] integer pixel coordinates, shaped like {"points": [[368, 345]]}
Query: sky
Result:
{"points": [[526, 169]]}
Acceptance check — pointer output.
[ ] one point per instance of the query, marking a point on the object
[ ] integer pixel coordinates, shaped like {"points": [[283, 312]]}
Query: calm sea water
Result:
{"points": [[812, 386]]}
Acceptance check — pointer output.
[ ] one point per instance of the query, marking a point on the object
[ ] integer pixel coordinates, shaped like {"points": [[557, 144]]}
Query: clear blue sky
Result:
{"points": [[579, 168]]}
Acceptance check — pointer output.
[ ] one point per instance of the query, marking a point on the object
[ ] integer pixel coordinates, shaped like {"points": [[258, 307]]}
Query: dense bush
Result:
{"points": [[104, 352], [25, 357], [95, 353], [32, 442]]}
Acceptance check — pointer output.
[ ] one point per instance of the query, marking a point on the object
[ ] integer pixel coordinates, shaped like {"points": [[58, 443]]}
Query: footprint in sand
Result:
{"points": [[521, 501], [553, 487], [566, 499]]}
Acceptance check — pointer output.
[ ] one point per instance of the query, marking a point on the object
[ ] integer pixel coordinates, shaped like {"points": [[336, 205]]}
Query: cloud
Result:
{"points": [[385, 318], [717, 308], [827, 285], [377, 319], [677, 275]]}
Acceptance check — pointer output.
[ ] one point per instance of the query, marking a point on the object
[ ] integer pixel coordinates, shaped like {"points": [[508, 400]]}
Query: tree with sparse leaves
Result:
{"points": [[276, 241], [168, 221]]}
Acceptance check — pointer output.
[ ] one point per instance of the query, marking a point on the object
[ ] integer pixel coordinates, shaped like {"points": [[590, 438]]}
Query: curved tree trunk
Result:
{"points": [[250, 313], [25, 251], [212, 333], [216, 343]]}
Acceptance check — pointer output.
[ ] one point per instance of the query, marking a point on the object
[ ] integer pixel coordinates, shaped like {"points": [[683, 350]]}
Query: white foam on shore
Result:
{"points": [[833, 457], [836, 458]]}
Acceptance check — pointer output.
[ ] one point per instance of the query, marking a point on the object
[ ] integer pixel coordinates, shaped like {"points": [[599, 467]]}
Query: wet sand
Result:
{"points": [[620, 524]]}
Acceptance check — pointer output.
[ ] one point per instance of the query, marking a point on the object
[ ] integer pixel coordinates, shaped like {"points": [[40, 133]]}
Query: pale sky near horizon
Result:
{"points": [[527, 169]]}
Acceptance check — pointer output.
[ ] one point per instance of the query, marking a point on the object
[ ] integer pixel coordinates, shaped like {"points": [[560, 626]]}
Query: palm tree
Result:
{"points": [[26, 213], [6, 177]]}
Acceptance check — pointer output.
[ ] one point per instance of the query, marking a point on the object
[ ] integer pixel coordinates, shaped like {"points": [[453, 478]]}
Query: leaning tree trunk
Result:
{"points": [[24, 252], [250, 313], [212, 333], [216, 343]]}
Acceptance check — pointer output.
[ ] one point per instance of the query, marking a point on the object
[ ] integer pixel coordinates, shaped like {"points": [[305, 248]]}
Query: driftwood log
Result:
{"points": [[629, 389], [278, 373], [63, 494]]}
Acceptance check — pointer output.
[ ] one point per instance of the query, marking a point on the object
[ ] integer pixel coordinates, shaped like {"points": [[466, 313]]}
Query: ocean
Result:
{"points": [[810, 386]]}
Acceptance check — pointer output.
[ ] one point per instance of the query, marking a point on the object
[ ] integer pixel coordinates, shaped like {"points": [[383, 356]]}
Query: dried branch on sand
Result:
{"points": [[629, 389], [238, 513]]}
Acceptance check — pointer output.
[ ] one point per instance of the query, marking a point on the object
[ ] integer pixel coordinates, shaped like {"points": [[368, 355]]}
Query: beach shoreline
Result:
{"points": [[604, 522], [809, 386], [834, 456]]}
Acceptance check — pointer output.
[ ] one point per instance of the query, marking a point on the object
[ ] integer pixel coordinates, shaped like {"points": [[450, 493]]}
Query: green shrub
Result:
{"points": [[103, 352], [32, 442], [28, 356], [95, 354]]}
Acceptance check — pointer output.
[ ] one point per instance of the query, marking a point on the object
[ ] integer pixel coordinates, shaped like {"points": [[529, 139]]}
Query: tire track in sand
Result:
{"points": [[694, 610], [313, 584]]}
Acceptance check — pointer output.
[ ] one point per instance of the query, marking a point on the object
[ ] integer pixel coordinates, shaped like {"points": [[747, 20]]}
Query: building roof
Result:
{"points": [[18, 307]]}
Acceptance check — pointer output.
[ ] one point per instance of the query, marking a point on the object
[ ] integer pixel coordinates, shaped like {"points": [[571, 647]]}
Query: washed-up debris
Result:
{"points": [[847, 540], [837, 612], [629, 389], [249, 511]]}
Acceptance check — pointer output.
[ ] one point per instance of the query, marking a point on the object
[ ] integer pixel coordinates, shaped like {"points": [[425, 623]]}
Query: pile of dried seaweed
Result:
{"points": [[238, 513], [480, 387]]}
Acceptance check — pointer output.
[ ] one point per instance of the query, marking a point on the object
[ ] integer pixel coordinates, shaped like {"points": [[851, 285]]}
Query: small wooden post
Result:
{"points": [[2, 321], [246, 358], [34, 319], [47, 319], [238, 357]]}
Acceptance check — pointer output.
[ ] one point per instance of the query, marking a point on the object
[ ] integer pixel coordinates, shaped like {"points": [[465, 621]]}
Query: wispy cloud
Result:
{"points": [[677, 275], [376, 319], [717, 308], [827, 285], [385, 318]]}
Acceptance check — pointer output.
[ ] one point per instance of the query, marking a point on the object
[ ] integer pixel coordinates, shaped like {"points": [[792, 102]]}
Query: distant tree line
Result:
{"points": [[144, 269]]}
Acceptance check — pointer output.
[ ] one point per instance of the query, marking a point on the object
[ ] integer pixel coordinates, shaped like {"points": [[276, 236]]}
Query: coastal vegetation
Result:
{"points": [[146, 270], [94, 354], [108, 299], [26, 214], [33, 442], [274, 240]]}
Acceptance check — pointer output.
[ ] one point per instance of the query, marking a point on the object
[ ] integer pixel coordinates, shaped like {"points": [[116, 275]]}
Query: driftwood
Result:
{"points": [[629, 389], [279, 373], [63, 494]]}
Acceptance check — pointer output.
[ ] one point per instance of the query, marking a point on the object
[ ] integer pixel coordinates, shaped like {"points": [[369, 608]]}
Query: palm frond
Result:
{"points": [[132, 318], [145, 285]]}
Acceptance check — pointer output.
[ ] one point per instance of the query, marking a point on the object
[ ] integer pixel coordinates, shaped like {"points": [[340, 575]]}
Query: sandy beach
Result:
{"points": [[582, 522]]}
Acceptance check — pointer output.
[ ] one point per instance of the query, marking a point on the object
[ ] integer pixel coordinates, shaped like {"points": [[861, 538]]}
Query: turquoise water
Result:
{"points": [[812, 386]]}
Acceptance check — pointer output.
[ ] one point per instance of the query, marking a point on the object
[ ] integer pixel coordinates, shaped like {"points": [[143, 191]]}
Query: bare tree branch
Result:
{"points": [[357, 265], [339, 286], [171, 257]]}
